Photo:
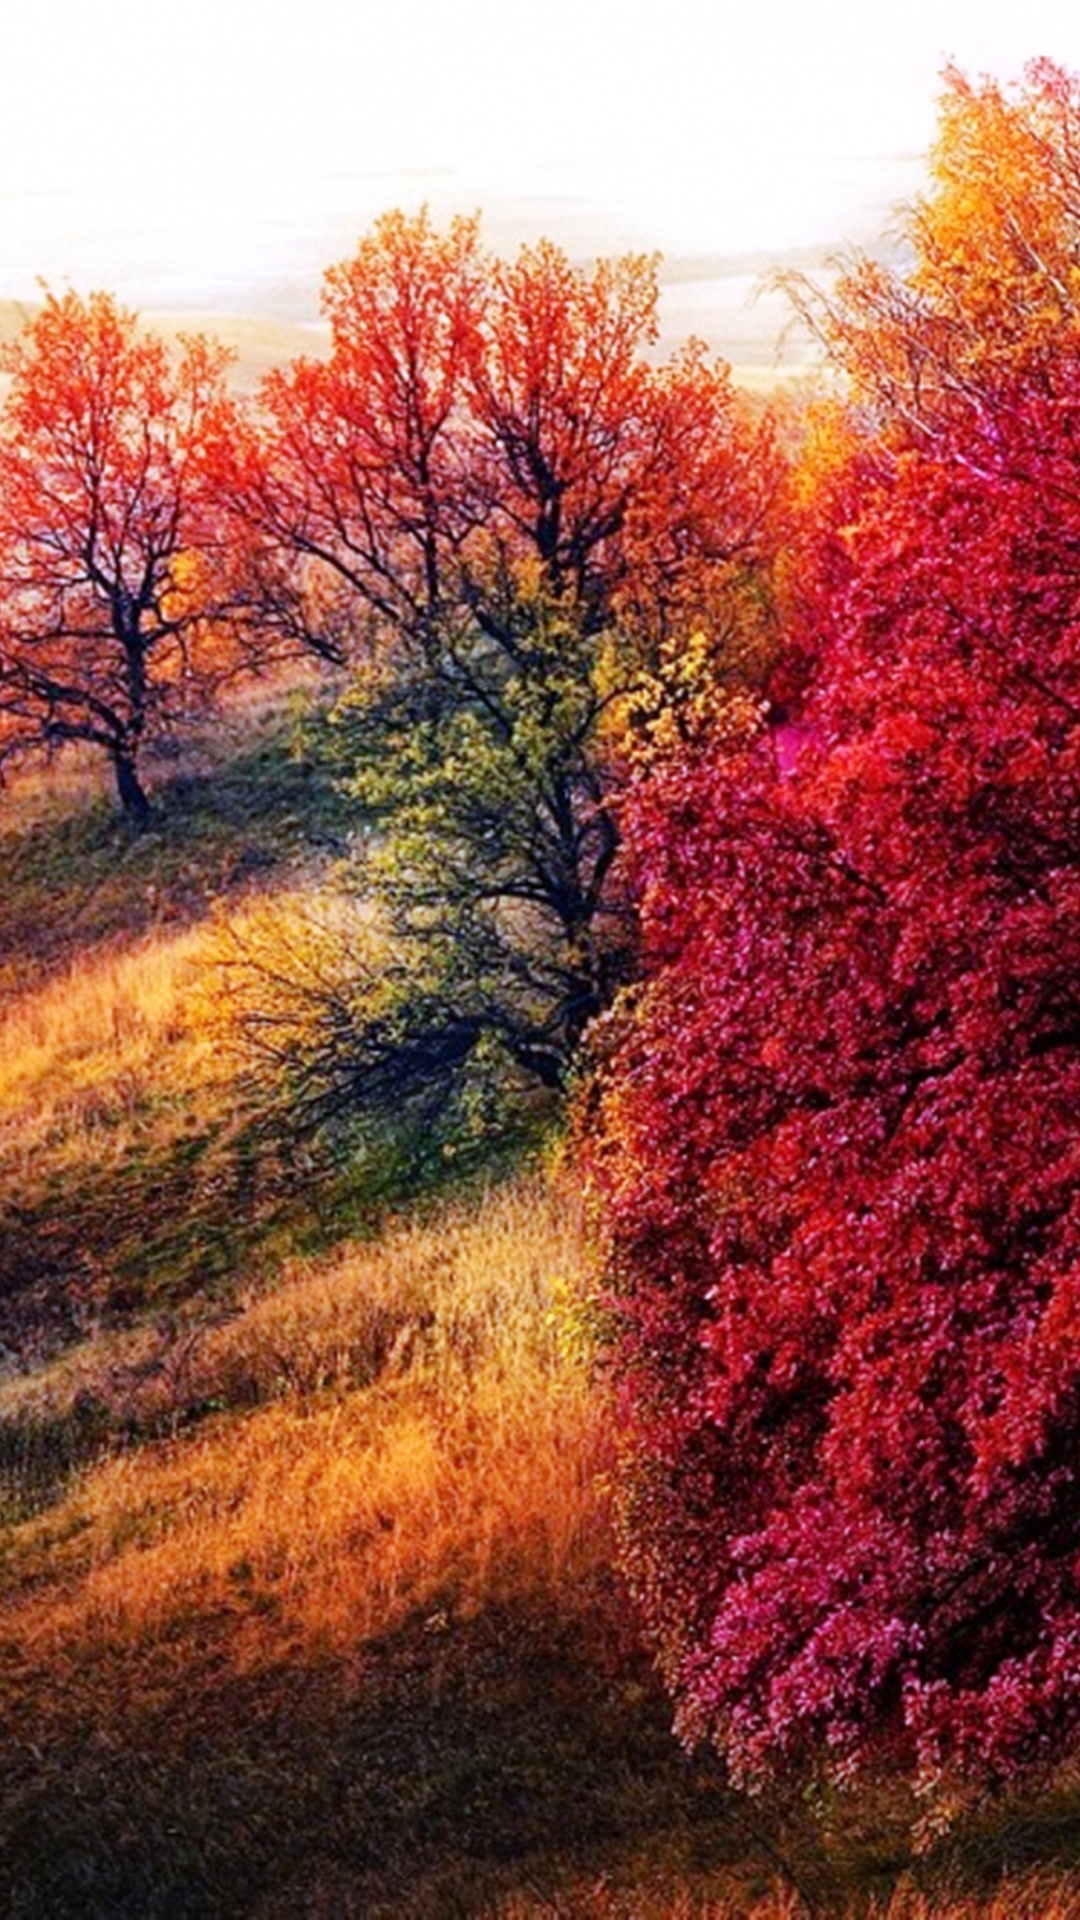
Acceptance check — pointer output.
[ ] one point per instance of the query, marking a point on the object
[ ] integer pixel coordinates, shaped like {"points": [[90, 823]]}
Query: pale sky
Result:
{"points": [[217, 154]]}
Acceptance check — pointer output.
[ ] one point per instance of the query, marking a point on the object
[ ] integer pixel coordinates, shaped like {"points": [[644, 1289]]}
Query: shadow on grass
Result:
{"points": [[439, 1770], [433, 1773], [165, 1238], [449, 1764], [113, 1239]]}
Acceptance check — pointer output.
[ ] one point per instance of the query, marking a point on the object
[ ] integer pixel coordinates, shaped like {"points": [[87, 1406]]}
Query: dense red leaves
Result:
{"points": [[112, 566], [837, 1138]]}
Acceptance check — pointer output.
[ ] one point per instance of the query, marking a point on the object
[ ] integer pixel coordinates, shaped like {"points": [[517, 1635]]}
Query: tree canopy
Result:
{"points": [[988, 299], [516, 529], [113, 575], [835, 1133], [475, 413]]}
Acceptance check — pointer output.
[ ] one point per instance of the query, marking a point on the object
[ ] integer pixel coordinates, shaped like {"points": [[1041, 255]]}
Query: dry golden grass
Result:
{"points": [[1037, 1896], [88, 1046], [468, 1470], [1033, 1897], [149, 1022]]}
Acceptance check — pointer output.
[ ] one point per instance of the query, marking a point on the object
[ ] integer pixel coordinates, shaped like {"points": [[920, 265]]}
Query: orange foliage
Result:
{"points": [[998, 240], [993, 292], [479, 419], [112, 558]]}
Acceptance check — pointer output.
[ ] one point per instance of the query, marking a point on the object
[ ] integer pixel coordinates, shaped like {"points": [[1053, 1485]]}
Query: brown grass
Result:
{"points": [[468, 1469], [1028, 1897]]}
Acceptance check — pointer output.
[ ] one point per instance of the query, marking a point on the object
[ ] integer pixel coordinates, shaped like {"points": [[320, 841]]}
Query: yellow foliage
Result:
{"points": [[996, 239], [681, 697], [993, 293]]}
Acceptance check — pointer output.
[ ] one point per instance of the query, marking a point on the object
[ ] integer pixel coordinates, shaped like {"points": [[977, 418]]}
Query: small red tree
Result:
{"points": [[113, 588], [837, 1146]]}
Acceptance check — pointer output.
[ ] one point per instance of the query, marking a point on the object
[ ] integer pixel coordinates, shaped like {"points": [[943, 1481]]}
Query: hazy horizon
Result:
{"points": [[201, 163], [247, 261]]}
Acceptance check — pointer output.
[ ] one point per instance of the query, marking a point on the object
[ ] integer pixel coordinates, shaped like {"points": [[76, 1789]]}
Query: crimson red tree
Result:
{"points": [[837, 1144]]}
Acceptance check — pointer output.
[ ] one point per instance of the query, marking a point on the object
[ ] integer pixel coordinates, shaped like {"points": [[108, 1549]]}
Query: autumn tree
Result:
{"points": [[509, 521], [988, 300], [836, 1144], [113, 582]]}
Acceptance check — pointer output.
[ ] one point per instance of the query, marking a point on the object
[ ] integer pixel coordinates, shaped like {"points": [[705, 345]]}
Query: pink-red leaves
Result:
{"points": [[838, 1149]]}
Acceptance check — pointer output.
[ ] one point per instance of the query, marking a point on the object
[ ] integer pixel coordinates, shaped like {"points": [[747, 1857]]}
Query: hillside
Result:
{"points": [[273, 1494], [309, 1601]]}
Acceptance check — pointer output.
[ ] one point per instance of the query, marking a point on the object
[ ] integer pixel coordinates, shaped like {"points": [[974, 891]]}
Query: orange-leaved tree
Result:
{"points": [[990, 295], [115, 590], [475, 416]]}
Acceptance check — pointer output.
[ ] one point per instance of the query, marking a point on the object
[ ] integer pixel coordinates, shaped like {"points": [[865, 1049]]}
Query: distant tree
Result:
{"points": [[519, 531], [113, 582]]}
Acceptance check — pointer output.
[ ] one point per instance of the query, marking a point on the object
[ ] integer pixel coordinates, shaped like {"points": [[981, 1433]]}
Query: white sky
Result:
{"points": [[219, 153]]}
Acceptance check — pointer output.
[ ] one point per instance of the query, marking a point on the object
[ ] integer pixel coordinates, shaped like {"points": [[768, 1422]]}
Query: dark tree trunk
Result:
{"points": [[130, 789]]}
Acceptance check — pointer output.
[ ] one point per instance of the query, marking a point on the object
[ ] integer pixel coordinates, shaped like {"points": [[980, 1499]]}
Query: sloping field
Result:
{"points": [[308, 1588]]}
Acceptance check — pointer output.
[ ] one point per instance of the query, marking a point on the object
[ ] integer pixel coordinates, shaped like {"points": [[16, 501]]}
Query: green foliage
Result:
{"points": [[477, 771], [432, 1007]]}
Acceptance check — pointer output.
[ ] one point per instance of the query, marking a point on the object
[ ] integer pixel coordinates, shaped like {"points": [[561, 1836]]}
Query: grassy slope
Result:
{"points": [[307, 1602], [124, 1158]]}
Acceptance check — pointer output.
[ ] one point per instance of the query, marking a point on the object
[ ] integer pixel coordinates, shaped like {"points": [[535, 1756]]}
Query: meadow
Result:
{"points": [[309, 1597]]}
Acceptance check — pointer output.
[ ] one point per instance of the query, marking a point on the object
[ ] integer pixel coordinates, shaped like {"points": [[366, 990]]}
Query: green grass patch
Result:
{"points": [[247, 805]]}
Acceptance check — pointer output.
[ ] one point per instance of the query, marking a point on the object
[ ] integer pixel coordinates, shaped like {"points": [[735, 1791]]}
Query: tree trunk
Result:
{"points": [[130, 789]]}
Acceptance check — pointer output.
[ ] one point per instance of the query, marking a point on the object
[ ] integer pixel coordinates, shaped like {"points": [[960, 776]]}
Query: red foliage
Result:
{"points": [[478, 421], [837, 1143], [112, 563]]}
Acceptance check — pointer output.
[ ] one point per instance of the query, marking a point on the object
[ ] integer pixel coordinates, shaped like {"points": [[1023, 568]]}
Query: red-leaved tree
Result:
{"points": [[836, 1139], [116, 590]]}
